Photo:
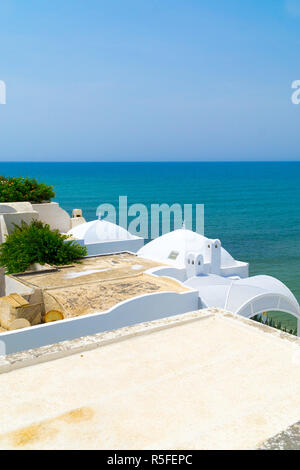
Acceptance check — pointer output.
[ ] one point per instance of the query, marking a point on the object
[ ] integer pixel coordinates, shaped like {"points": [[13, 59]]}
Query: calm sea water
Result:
{"points": [[254, 208]]}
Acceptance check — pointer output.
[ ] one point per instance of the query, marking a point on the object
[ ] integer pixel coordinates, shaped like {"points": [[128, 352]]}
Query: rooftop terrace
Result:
{"points": [[89, 270], [203, 380], [98, 283]]}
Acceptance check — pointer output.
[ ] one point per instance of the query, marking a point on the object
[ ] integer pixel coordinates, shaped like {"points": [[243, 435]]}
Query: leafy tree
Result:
{"points": [[24, 189]]}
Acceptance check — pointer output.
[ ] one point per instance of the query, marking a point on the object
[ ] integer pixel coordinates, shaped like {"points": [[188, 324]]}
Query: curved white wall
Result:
{"points": [[137, 310], [51, 213]]}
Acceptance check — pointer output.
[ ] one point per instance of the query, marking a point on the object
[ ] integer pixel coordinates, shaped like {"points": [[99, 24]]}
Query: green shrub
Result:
{"points": [[24, 189], [37, 243], [270, 322]]}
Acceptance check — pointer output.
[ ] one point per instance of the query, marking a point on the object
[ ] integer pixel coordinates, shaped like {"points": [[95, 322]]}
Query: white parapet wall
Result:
{"points": [[117, 246], [241, 270], [130, 312], [13, 286], [13, 213], [51, 213], [168, 271]]}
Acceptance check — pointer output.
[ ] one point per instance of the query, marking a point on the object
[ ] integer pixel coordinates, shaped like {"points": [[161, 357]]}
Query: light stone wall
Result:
{"points": [[12, 286], [13, 213], [50, 213]]}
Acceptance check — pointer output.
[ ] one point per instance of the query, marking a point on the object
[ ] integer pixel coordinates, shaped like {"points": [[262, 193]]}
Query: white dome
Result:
{"points": [[171, 248], [100, 231]]}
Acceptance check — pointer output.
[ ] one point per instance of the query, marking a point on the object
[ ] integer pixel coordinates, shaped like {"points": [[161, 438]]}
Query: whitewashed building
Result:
{"points": [[204, 265], [123, 282], [103, 237]]}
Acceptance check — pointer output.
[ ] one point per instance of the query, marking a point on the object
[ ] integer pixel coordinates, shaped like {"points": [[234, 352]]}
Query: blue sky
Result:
{"points": [[149, 80]]}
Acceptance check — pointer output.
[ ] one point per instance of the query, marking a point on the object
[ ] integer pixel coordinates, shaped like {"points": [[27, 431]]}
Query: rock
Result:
{"points": [[18, 324], [14, 307], [32, 313], [6, 318], [39, 267]]}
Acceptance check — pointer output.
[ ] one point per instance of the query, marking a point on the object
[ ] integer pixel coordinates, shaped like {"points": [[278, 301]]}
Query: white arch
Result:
{"points": [[246, 297], [293, 310]]}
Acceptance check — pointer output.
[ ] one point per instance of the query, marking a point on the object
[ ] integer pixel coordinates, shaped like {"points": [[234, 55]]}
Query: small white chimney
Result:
{"points": [[215, 250], [194, 264]]}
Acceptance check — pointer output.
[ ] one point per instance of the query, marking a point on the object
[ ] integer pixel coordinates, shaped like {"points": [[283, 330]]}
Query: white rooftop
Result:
{"points": [[204, 380], [179, 242], [100, 231]]}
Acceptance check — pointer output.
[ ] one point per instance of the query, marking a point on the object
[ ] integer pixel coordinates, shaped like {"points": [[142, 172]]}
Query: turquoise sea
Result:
{"points": [[254, 208]]}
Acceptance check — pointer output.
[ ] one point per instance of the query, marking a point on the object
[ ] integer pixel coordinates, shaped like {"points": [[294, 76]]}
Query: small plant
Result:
{"points": [[37, 243], [270, 322], [24, 189]]}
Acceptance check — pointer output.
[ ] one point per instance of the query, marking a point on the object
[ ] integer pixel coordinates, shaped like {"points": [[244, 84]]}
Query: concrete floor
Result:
{"points": [[206, 380]]}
